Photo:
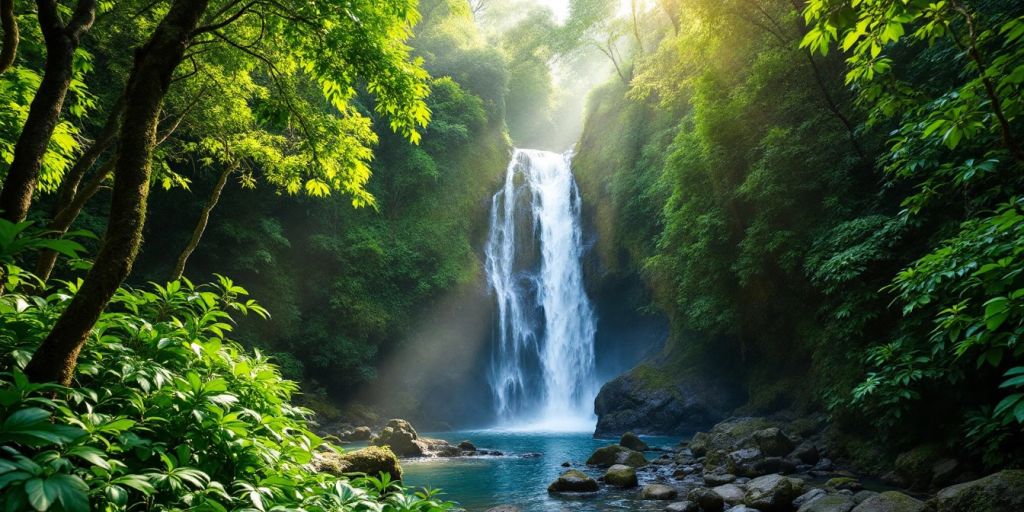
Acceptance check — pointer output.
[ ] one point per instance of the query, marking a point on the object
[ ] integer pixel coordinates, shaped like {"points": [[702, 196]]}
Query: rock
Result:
{"points": [[467, 446], [891, 501], [658, 492], [706, 499], [566, 464], [372, 461], [716, 479], [743, 508], [859, 497], [944, 472], [772, 442], [773, 493], [614, 454], [829, 503], [652, 400], [730, 493], [400, 436], [682, 506], [360, 434], [633, 442], [573, 481], [752, 462], [824, 464], [844, 482], [808, 497], [621, 475], [807, 453], [504, 508], [914, 467], [999, 491]]}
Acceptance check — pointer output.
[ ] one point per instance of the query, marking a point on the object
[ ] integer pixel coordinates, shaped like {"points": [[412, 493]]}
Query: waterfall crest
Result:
{"points": [[542, 370]]}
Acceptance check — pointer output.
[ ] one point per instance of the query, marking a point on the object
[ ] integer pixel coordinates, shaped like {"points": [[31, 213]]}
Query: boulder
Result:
{"points": [[732, 494], [658, 492], [372, 461], [621, 475], [860, 496], [633, 442], [772, 442], [808, 497], [752, 462], [1000, 491], [573, 481], [682, 506], [610, 455], [400, 436], [844, 482], [467, 446], [706, 499], [944, 472], [891, 501], [360, 434], [773, 493], [743, 508], [655, 400], [914, 467], [726, 436], [829, 503]]}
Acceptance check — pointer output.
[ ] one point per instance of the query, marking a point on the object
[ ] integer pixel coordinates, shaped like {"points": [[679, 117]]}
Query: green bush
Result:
{"points": [[165, 414]]}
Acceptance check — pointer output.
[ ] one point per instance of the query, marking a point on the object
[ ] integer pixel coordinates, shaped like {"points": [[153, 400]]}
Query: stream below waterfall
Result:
{"points": [[520, 477]]}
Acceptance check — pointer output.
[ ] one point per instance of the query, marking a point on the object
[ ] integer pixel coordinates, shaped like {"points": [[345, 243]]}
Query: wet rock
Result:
{"points": [[682, 401], [621, 475], [808, 497], [682, 506], [504, 508], [573, 481], [944, 472], [467, 446], [772, 442], [1002, 491], [566, 464], [658, 492], [732, 494], [372, 461], [752, 462], [773, 493], [859, 497], [716, 479], [891, 501], [743, 508], [614, 454], [633, 442], [829, 503], [706, 499]]}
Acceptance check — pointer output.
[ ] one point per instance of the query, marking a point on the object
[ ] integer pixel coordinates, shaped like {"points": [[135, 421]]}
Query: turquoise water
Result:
{"points": [[478, 483]]}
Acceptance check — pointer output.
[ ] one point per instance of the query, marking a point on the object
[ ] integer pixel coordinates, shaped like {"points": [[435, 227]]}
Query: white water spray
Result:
{"points": [[542, 373]]}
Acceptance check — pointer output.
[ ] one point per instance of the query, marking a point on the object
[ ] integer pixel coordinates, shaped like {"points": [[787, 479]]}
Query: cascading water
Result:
{"points": [[542, 372]]}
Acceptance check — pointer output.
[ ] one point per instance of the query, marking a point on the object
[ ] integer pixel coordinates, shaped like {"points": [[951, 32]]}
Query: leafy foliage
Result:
{"points": [[165, 413]]}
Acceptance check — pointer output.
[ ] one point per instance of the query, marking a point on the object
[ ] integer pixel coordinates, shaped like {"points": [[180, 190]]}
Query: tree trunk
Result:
{"points": [[204, 219], [9, 23], [44, 112], [62, 221], [56, 357]]}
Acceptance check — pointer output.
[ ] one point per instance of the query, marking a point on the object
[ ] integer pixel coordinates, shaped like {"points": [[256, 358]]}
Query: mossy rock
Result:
{"points": [[573, 481], [1003, 491], [610, 455], [633, 442], [621, 475], [844, 482], [891, 501], [372, 461]]}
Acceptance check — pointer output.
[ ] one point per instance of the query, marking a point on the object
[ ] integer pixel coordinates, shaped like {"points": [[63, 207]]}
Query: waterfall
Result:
{"points": [[542, 369]]}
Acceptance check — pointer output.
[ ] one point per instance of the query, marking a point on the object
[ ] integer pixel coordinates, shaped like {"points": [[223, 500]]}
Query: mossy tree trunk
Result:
{"points": [[9, 24], [55, 359], [204, 220], [44, 112]]}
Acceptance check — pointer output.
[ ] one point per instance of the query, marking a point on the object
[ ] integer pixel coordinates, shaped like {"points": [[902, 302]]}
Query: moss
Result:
{"points": [[371, 461]]}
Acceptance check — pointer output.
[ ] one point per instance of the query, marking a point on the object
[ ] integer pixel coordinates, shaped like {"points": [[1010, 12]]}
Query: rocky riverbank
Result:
{"points": [[755, 464]]}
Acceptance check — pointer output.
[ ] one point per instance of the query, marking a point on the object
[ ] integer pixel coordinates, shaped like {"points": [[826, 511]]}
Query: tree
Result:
{"points": [[61, 42], [334, 47]]}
